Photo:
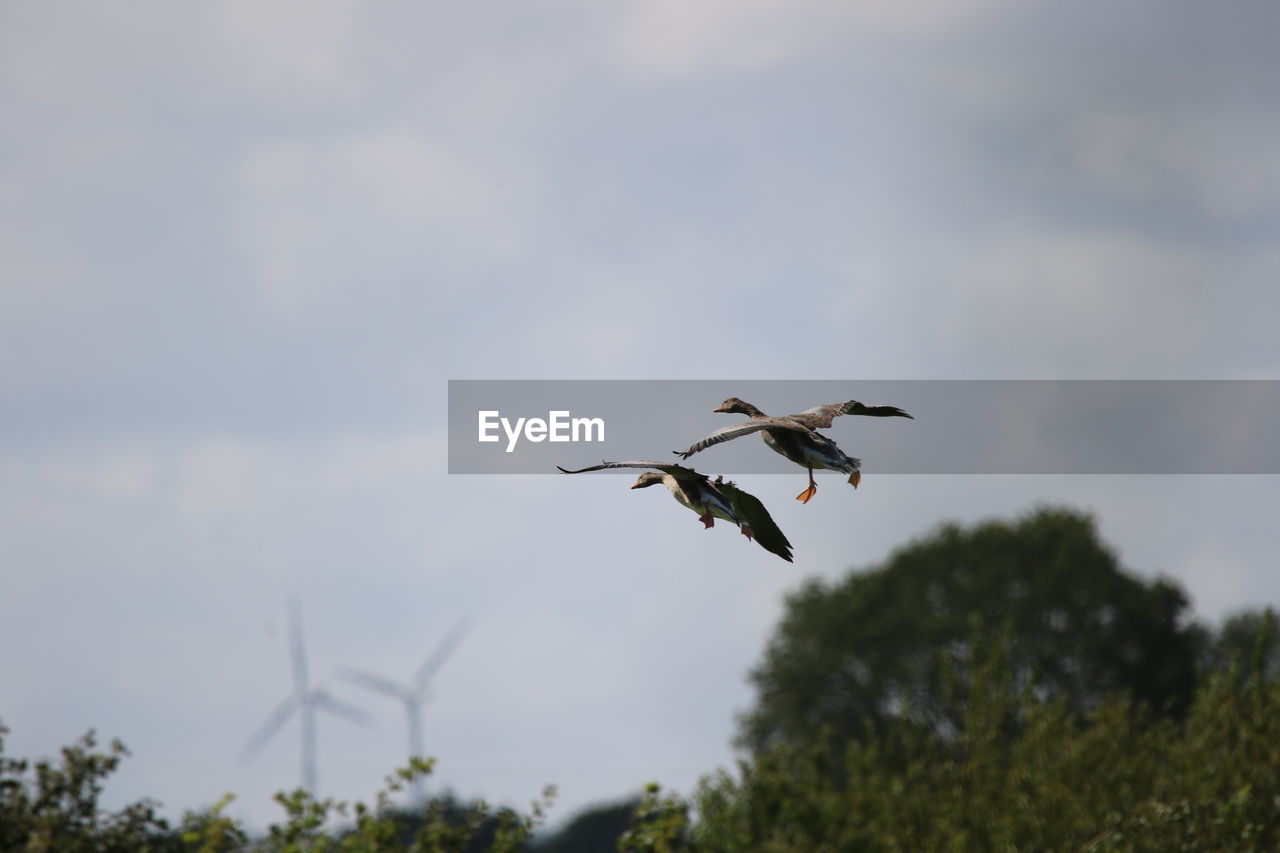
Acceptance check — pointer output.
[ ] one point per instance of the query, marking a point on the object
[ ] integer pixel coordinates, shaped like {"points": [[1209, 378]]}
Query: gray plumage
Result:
{"points": [[796, 436], [710, 499]]}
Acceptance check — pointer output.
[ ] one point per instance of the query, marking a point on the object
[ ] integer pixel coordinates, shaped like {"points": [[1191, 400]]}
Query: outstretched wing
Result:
{"points": [[752, 511], [678, 471], [820, 417], [745, 428]]}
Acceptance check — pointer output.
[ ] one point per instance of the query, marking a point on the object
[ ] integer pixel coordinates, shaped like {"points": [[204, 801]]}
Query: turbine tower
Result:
{"points": [[414, 694], [305, 701]]}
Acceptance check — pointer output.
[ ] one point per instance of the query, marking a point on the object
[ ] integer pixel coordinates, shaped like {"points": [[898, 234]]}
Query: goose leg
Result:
{"points": [[804, 496], [708, 520]]}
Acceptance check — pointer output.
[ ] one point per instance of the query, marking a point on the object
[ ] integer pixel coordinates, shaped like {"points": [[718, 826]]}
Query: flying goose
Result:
{"points": [[710, 499], [796, 436]]}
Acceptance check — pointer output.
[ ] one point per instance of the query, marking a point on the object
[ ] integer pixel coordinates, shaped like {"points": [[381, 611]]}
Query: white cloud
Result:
{"points": [[1224, 164], [117, 475], [673, 39], [1059, 303], [219, 478], [35, 278], [242, 44], [331, 222], [200, 57], [206, 481]]}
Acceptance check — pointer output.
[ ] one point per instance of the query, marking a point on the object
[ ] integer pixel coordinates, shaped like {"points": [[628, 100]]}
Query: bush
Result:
{"points": [[55, 809], [1119, 779]]}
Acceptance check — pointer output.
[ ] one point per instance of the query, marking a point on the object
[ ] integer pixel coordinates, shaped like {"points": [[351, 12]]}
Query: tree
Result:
{"points": [[1113, 780], [56, 808], [890, 642], [1241, 642], [595, 829]]}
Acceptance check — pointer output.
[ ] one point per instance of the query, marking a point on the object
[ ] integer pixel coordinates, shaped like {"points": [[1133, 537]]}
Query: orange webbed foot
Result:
{"points": [[855, 478], [747, 531], [804, 496], [707, 520]]}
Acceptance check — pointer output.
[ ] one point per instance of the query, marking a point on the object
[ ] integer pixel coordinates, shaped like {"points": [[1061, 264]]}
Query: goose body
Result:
{"points": [[710, 499], [796, 436]]}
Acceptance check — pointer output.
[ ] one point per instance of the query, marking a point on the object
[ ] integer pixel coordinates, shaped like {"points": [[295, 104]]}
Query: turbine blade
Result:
{"points": [[325, 702], [268, 730], [370, 681], [437, 659], [298, 652]]}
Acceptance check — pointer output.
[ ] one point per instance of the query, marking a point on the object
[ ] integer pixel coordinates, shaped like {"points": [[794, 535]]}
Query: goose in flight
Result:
{"points": [[710, 499], [796, 436]]}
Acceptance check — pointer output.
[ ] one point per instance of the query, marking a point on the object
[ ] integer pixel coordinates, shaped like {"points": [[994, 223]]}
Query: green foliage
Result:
{"points": [[856, 655], [593, 830], [56, 808], [1236, 643], [212, 831], [442, 826], [1115, 780], [658, 824]]}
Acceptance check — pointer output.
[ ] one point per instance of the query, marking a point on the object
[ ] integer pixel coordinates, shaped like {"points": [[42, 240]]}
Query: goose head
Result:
{"points": [[734, 406], [648, 478]]}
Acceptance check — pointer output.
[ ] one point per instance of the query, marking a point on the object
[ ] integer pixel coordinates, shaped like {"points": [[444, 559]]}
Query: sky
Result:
{"points": [[244, 246]]}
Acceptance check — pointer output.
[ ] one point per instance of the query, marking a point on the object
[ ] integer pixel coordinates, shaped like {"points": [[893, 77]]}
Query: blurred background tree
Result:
{"points": [[1114, 779], [890, 641], [596, 828], [1236, 643]]}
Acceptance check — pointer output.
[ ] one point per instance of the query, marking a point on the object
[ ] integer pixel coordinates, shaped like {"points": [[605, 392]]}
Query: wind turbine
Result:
{"points": [[414, 694], [305, 701]]}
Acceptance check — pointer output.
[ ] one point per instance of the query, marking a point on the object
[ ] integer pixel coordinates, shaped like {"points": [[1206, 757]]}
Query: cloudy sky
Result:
{"points": [[243, 247]]}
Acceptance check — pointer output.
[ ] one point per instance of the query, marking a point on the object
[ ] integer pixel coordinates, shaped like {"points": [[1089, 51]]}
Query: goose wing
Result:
{"points": [[752, 511], [820, 417], [733, 431], [680, 472]]}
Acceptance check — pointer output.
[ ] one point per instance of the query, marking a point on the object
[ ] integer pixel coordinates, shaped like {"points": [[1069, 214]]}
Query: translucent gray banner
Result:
{"points": [[959, 426]]}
